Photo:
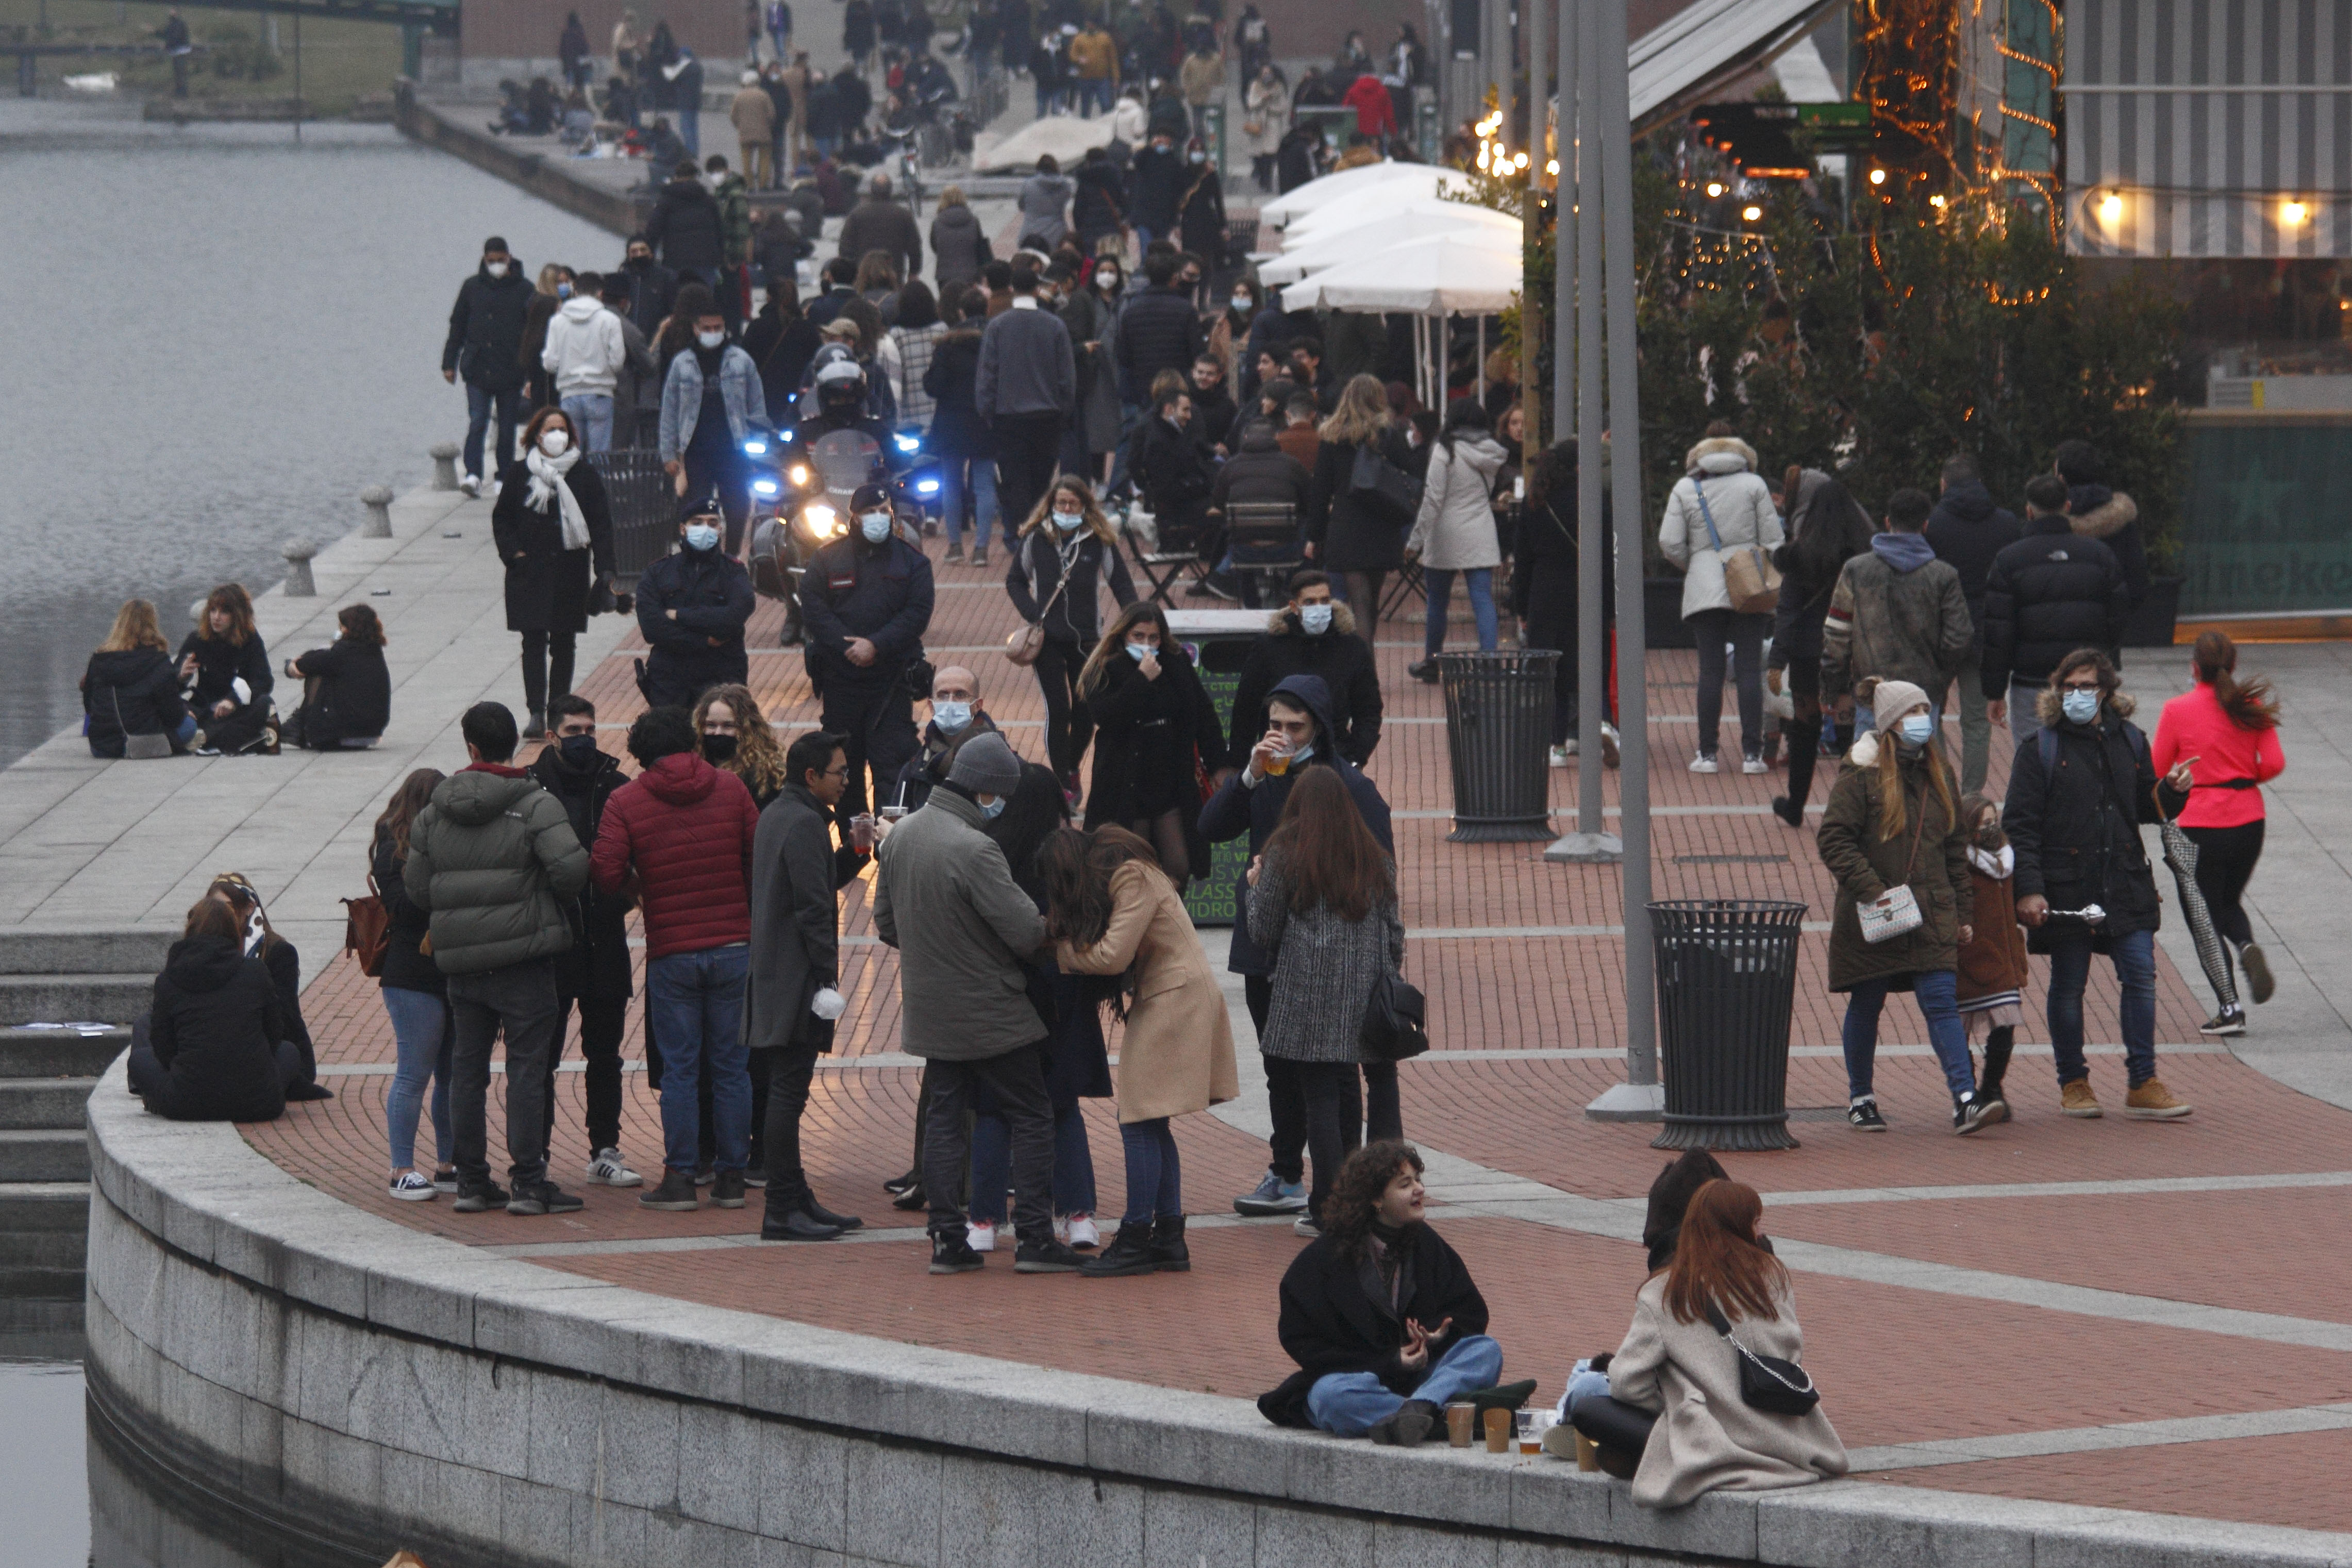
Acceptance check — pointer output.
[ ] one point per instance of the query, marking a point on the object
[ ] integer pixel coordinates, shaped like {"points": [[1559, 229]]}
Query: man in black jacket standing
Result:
{"points": [[1026, 388], [2050, 593], [593, 975], [686, 228], [653, 288], [1158, 330], [1967, 529], [692, 607], [485, 346], [1312, 635], [788, 1000], [865, 602]]}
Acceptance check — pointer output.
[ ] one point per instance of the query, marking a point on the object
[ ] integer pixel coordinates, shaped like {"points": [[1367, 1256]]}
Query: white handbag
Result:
{"points": [[1897, 909]]}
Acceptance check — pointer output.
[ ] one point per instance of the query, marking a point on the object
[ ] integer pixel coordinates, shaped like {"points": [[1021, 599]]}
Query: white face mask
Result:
{"points": [[875, 526], [1315, 620], [951, 715], [554, 442], [495, 268], [1106, 281], [2080, 706], [1919, 729], [1244, 303], [710, 340], [701, 536], [1140, 651], [1068, 521]]}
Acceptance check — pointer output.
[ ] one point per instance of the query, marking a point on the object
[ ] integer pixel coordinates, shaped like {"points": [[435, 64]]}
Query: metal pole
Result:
{"points": [[297, 76], [1614, 120], [1532, 235], [1582, 294]]}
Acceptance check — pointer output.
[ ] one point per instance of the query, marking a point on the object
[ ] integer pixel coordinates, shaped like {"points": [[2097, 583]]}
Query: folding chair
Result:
{"points": [[1166, 564], [1406, 584], [1265, 541]]}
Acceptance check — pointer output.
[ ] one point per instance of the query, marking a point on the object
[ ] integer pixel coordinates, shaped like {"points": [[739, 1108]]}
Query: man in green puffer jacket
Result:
{"points": [[494, 860]]}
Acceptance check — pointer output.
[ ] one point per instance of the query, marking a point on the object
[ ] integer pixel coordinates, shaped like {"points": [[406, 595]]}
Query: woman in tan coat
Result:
{"points": [[1676, 1364], [1112, 914]]}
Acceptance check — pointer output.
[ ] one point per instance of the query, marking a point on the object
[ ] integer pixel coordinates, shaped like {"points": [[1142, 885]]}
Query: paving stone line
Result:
{"points": [[2090, 1439]]}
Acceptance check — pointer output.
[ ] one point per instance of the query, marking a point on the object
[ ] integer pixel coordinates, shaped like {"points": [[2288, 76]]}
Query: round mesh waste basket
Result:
{"points": [[1498, 738], [1726, 976]]}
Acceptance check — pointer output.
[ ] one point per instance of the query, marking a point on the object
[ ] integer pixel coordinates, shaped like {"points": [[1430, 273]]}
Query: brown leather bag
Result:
{"points": [[367, 930]]}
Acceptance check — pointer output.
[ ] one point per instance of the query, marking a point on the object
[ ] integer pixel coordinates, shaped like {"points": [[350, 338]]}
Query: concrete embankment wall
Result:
{"points": [[606, 207], [376, 1387]]}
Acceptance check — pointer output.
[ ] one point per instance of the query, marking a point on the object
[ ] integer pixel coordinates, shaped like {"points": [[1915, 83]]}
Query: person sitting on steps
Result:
{"points": [[1384, 1363]]}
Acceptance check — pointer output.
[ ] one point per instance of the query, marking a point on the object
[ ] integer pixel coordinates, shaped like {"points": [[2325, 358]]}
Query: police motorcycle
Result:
{"points": [[800, 488]]}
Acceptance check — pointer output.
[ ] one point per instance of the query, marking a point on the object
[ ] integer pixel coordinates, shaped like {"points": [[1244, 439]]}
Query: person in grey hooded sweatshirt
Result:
{"points": [[1899, 613]]}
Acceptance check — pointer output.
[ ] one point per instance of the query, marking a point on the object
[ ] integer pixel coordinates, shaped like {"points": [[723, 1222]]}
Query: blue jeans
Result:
{"points": [[479, 402], [1937, 992], [1155, 1179], [185, 731], [984, 500], [1346, 1403], [992, 1165], [420, 1033], [689, 129], [698, 1003], [591, 413], [2070, 969], [1479, 581]]}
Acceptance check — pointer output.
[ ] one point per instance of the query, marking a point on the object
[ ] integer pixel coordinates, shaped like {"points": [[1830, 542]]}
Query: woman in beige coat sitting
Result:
{"points": [[1113, 914], [1675, 1364]]}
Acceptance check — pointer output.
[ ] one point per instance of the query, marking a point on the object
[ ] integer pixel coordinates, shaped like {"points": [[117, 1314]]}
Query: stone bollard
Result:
{"points": [[444, 465], [377, 499], [298, 583], [196, 611]]}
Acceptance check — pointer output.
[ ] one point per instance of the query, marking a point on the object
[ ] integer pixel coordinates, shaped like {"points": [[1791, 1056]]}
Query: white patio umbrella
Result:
{"points": [[1313, 196], [1472, 272], [1415, 220]]}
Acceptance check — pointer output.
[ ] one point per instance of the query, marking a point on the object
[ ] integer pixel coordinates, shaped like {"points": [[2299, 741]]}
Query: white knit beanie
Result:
{"points": [[1893, 699]]}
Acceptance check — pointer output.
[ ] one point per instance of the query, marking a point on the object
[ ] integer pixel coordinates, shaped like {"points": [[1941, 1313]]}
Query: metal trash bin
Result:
{"points": [[1498, 739], [1727, 979], [644, 504]]}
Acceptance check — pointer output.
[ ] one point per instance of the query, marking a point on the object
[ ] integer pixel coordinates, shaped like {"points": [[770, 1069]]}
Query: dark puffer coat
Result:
{"points": [[1340, 658], [685, 228], [1867, 863], [1334, 1320], [215, 1030], [136, 691], [547, 585], [598, 966], [712, 595], [2074, 822], [2052, 592], [686, 828], [1968, 529], [494, 860]]}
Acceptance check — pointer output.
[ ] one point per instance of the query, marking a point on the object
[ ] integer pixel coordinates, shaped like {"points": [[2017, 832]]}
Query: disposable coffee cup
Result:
{"points": [[1498, 1431], [1461, 1422]]}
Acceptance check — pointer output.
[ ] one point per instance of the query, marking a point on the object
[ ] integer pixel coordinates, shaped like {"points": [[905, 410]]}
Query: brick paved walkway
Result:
{"points": [[2006, 1291]]}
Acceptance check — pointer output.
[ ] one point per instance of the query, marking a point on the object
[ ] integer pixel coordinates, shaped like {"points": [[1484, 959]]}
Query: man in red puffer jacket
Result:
{"points": [[683, 830]]}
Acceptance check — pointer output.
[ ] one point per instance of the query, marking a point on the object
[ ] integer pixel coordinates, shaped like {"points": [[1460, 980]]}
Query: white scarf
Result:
{"points": [[1997, 867], [547, 485]]}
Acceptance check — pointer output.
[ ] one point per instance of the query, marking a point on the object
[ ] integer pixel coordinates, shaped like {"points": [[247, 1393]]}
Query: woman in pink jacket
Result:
{"points": [[2228, 731]]}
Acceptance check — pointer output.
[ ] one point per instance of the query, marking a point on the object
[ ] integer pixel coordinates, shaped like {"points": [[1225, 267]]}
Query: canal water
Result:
{"points": [[217, 339]]}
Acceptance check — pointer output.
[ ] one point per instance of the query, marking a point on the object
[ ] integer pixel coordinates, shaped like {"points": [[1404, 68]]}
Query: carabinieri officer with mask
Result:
{"points": [[866, 601], [692, 607]]}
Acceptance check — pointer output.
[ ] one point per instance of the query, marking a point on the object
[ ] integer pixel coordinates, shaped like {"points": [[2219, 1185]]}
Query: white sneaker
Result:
{"points": [[1609, 745], [1704, 764], [1083, 1232], [471, 484], [981, 1235], [609, 1170], [1561, 754], [1754, 766], [413, 1187]]}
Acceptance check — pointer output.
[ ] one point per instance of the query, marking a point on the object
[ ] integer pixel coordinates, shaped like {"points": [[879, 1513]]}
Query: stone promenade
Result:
{"points": [[2149, 1317]]}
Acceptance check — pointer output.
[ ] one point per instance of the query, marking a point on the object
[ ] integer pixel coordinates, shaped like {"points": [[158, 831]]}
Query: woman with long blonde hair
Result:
{"points": [[1357, 535], [1066, 553], [130, 693], [1894, 831], [1156, 735], [735, 736]]}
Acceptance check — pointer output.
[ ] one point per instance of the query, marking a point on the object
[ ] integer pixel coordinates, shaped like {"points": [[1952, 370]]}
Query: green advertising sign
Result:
{"points": [[1215, 900], [2268, 525]]}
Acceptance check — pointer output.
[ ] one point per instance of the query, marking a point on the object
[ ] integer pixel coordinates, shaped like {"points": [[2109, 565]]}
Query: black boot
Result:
{"points": [[1130, 1252], [1167, 1250], [823, 1216]]}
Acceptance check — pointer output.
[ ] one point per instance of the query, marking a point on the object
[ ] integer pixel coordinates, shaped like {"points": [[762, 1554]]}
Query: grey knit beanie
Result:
{"points": [[986, 765]]}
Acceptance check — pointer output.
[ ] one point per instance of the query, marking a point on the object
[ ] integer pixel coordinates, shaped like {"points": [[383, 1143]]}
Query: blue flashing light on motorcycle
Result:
{"points": [[756, 447], [908, 442], [764, 486], [926, 487]]}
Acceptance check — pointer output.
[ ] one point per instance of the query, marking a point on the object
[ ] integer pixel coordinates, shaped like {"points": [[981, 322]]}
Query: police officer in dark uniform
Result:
{"points": [[692, 606], [866, 601]]}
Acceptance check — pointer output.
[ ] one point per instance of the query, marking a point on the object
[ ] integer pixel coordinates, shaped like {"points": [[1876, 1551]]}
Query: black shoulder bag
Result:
{"points": [[1766, 1382], [1395, 1019]]}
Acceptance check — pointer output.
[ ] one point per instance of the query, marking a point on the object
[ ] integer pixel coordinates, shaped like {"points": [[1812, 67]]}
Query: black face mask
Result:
{"points": [[579, 751], [719, 750]]}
